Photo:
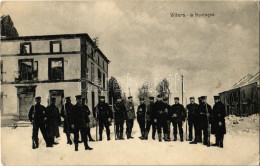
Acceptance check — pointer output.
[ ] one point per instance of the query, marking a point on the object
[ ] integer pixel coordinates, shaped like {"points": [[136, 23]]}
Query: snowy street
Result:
{"points": [[240, 148]]}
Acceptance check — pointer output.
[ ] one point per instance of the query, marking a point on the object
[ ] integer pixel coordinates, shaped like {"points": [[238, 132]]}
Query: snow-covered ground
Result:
{"points": [[241, 147]]}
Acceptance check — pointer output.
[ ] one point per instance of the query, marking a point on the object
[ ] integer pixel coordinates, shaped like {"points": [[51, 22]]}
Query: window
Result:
{"points": [[56, 68], [92, 72], [99, 76], [26, 48], [104, 80], [103, 64], [25, 69], [92, 53], [98, 60], [35, 69], [55, 46]]}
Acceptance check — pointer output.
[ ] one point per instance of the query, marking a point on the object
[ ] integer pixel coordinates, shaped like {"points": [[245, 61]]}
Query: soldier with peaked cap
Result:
{"points": [[193, 112], [159, 116], [130, 116], [86, 108], [104, 115], [66, 114], [178, 115], [53, 121], [198, 122], [141, 111], [218, 126], [120, 116], [167, 118], [37, 115], [204, 115], [79, 123], [149, 120]]}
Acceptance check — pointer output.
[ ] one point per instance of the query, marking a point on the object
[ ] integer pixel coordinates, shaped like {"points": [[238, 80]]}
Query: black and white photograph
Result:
{"points": [[130, 82]]}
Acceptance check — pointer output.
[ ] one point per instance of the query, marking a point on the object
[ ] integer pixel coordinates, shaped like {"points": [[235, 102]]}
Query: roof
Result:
{"points": [[57, 36], [242, 81], [254, 79]]}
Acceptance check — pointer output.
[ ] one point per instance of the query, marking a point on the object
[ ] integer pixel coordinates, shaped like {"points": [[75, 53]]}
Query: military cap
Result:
{"points": [[159, 96], [129, 97], [53, 99], [141, 99], [165, 99], [38, 98], [101, 97], [216, 97], [176, 98], [203, 97], [151, 98], [192, 98], [67, 98], [78, 97]]}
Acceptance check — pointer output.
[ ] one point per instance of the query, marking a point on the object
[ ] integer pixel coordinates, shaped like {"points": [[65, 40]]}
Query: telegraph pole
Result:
{"points": [[182, 89]]}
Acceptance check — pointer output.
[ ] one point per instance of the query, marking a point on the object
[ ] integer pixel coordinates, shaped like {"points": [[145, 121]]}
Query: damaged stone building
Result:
{"points": [[50, 66]]}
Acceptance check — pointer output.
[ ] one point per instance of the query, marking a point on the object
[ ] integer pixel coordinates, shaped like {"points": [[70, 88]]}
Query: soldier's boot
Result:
{"points": [[127, 135], [181, 137], [221, 141], [76, 147], [100, 137], [146, 135], [169, 138], [86, 146], [37, 143], [175, 137], [108, 136], [121, 136], [160, 137], [153, 135], [68, 139]]}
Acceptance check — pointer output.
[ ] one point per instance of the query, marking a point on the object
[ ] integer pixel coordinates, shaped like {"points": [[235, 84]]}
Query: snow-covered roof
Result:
{"points": [[254, 79], [242, 81]]}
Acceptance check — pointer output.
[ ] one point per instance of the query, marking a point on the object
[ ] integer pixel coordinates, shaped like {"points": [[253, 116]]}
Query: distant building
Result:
{"points": [[7, 27], [244, 97], [50, 66]]}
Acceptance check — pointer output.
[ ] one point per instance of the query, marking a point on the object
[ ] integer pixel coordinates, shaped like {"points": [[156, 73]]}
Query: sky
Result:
{"points": [[144, 43]]}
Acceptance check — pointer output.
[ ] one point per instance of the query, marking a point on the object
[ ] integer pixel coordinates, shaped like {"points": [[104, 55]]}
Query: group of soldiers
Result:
{"points": [[159, 115], [76, 120]]}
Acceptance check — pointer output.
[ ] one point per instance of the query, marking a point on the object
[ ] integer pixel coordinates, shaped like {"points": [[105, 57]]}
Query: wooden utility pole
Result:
{"points": [[182, 89]]}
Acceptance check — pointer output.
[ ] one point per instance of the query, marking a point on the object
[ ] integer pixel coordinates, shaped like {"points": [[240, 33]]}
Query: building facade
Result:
{"points": [[50, 66], [243, 98]]}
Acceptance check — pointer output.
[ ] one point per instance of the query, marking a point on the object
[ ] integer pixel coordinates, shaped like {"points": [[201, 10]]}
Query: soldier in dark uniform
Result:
{"points": [[168, 107], [88, 113], [130, 116], [193, 111], [66, 114], [218, 126], [160, 117], [53, 121], [104, 116], [199, 130], [37, 115], [204, 116], [178, 115], [120, 116], [141, 111], [149, 120], [79, 123]]}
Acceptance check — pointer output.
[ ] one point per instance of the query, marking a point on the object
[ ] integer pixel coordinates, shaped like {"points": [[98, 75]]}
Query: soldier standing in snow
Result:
{"points": [[53, 121], [37, 115], [141, 110], [218, 126], [130, 116]]}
